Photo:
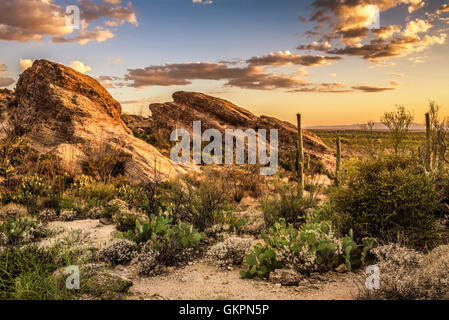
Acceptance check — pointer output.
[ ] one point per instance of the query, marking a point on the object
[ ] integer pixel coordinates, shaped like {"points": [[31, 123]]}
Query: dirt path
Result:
{"points": [[95, 233], [203, 281]]}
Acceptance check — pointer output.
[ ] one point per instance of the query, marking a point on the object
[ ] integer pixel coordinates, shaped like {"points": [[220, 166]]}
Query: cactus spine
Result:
{"points": [[300, 157], [427, 156], [338, 166]]}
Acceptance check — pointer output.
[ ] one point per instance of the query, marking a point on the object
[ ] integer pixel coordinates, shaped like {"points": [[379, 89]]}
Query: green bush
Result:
{"points": [[287, 205], [199, 200], [313, 247], [21, 230], [86, 188], [160, 235], [387, 197], [31, 188], [27, 273]]}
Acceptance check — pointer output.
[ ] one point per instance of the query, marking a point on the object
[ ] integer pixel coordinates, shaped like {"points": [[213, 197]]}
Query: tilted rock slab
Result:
{"points": [[221, 114]]}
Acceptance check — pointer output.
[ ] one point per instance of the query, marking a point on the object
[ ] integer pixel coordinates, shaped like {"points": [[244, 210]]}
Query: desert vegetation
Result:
{"points": [[384, 206]]}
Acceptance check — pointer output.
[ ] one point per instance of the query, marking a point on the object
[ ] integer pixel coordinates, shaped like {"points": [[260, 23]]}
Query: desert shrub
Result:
{"points": [[119, 252], [386, 197], [69, 203], [230, 252], [86, 188], [31, 188], [199, 200], [441, 181], [26, 273], [147, 263], [236, 224], [21, 230], [105, 165], [13, 154], [243, 180], [286, 204], [160, 235], [13, 210], [125, 220], [406, 274], [114, 207], [313, 247], [129, 194]]}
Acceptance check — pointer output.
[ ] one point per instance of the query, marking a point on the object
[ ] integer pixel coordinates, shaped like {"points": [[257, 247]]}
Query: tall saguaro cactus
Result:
{"points": [[300, 157], [427, 155], [293, 163], [338, 166]]}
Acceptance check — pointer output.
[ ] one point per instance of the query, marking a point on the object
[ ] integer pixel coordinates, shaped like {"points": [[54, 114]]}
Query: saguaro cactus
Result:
{"points": [[338, 165], [293, 163], [427, 156], [307, 163], [300, 157]]}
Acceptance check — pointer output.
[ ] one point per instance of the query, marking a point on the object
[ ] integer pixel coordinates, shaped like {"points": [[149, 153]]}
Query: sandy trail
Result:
{"points": [[202, 280]]}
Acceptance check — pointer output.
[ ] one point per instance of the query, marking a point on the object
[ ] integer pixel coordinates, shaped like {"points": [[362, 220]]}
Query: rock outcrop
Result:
{"points": [[221, 114], [7, 102], [71, 116]]}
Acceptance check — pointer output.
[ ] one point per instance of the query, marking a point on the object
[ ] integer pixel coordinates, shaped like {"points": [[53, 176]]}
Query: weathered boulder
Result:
{"points": [[71, 116], [286, 277]]}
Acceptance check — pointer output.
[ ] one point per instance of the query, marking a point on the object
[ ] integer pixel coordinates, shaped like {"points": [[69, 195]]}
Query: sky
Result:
{"points": [[336, 62]]}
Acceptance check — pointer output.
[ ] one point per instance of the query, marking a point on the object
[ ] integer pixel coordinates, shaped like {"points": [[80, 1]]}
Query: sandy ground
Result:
{"points": [[203, 280]]}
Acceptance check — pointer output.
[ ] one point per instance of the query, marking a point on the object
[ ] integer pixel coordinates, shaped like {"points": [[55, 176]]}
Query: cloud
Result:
{"points": [[116, 60], [334, 87], [318, 46], [25, 64], [399, 75], [284, 58], [395, 83], [32, 20], [251, 77], [332, 75], [203, 1], [371, 88], [378, 49], [443, 8], [387, 32], [85, 36], [250, 74], [79, 66], [115, 14], [346, 26], [416, 26], [5, 81]]}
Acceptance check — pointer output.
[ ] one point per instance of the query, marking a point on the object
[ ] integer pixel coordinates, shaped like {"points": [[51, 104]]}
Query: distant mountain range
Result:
{"points": [[378, 126]]}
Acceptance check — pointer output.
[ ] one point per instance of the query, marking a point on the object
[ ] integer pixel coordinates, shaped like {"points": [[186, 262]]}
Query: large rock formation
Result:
{"points": [[221, 114], [71, 116], [7, 102]]}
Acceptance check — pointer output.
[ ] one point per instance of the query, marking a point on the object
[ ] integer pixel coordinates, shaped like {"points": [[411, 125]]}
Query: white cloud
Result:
{"points": [[203, 1], [79, 66], [25, 64]]}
